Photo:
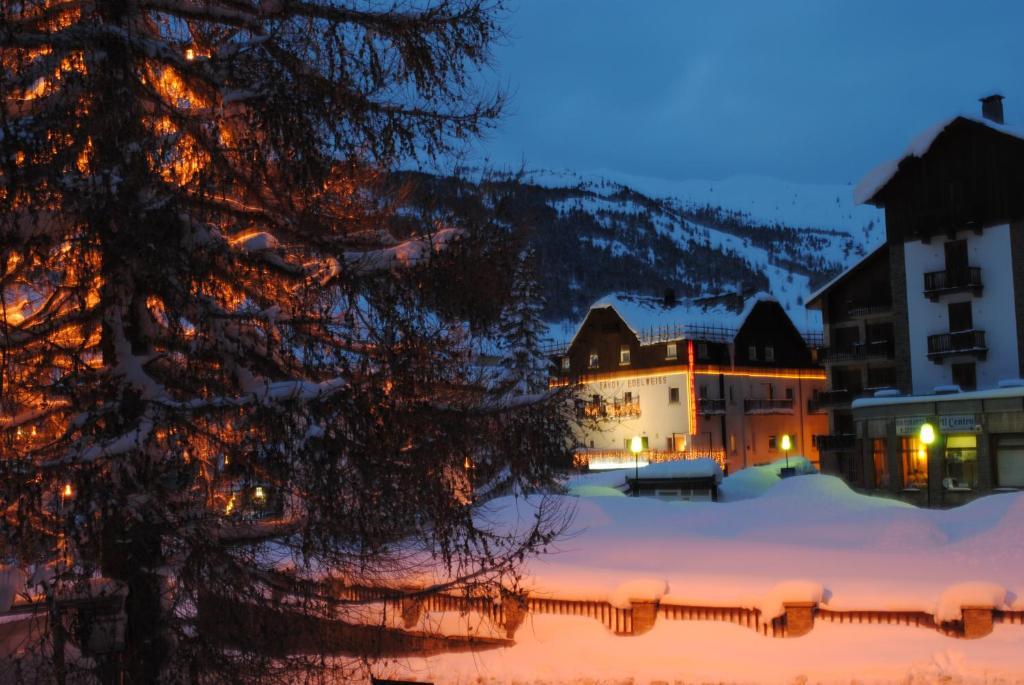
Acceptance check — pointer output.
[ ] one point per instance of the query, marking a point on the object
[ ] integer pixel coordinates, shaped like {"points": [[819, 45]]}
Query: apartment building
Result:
{"points": [[954, 209], [724, 379]]}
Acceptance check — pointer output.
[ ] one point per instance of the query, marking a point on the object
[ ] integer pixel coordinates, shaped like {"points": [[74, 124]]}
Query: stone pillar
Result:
{"points": [[986, 460], [977, 622], [645, 613], [515, 610], [799, 618], [412, 609]]}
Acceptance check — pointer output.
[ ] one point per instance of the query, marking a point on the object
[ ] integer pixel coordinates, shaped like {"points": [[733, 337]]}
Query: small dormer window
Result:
{"points": [[752, 353], [769, 353], [624, 355], [671, 351], [565, 363], [594, 360]]}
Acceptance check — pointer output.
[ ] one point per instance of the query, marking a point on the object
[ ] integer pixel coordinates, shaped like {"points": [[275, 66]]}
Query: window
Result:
{"points": [[1010, 461], [671, 351], [752, 353], [732, 443], [702, 350], [624, 355], [878, 458], [965, 376], [960, 318], [678, 442], [732, 397], [956, 256], [769, 353], [565, 363], [594, 360], [961, 462], [703, 392], [915, 463], [627, 398], [772, 442], [673, 395], [789, 393]]}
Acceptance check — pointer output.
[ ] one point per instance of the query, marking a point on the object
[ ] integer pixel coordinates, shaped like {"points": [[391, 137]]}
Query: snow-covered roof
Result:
{"points": [[877, 178], [842, 275], [991, 393], [649, 318]]}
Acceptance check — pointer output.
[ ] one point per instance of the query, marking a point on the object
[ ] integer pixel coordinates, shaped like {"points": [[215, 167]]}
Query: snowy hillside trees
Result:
{"points": [[521, 328], [221, 379]]}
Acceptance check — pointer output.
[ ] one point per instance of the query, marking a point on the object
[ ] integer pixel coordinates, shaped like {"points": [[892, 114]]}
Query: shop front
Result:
{"points": [[974, 446]]}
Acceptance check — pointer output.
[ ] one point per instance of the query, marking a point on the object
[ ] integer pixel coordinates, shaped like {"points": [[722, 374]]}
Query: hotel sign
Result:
{"points": [[950, 423]]}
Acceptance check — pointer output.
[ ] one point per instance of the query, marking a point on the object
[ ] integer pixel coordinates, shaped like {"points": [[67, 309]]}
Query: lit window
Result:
{"points": [[752, 353], [915, 463], [624, 354], [961, 462], [671, 351], [565, 363], [593, 360], [769, 353]]}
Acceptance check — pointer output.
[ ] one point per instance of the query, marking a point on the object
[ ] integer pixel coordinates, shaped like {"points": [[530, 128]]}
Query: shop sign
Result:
{"points": [[950, 423]]}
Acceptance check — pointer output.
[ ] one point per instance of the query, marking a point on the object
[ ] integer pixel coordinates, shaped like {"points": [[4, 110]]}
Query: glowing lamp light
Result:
{"points": [[259, 494], [927, 435], [636, 445], [67, 491], [787, 443], [190, 54]]}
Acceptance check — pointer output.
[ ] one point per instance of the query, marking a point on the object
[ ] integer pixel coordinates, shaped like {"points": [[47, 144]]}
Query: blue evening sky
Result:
{"points": [[813, 91]]}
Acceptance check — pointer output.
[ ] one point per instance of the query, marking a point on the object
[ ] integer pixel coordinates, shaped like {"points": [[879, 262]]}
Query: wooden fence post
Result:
{"points": [[799, 618]]}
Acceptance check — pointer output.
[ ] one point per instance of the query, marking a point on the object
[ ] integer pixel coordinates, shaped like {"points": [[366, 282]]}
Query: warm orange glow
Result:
{"points": [[190, 54], [702, 370], [691, 386], [67, 491]]}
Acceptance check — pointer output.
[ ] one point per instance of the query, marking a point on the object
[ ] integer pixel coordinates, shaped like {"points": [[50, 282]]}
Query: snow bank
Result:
{"points": [[595, 491], [772, 605], [972, 594], [755, 480], [639, 590]]}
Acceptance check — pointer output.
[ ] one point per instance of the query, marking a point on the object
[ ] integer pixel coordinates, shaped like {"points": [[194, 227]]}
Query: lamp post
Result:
{"points": [[636, 446], [927, 436], [787, 445]]}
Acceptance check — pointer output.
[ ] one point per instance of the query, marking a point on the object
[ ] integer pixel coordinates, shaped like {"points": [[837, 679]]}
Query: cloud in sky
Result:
{"points": [[808, 90]]}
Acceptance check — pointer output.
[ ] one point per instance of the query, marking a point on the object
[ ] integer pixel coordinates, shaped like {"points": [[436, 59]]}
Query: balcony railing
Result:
{"points": [[615, 409], [961, 342], [875, 349], [784, 406], [708, 406], [835, 443], [951, 281], [869, 308], [828, 399]]}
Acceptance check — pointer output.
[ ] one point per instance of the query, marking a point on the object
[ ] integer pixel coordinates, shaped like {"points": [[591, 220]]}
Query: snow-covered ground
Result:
{"points": [[809, 531]]}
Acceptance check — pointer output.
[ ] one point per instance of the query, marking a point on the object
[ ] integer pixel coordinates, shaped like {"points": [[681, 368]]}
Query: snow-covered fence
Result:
{"points": [[797, 618]]}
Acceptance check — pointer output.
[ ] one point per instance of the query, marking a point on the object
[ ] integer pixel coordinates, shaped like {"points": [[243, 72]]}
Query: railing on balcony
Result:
{"points": [[835, 443], [614, 409], [881, 378], [961, 342], [950, 281], [827, 399], [875, 349], [783, 406], [708, 406], [869, 308]]}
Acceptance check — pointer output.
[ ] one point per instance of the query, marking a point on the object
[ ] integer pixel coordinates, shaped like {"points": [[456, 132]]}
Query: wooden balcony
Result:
{"points": [[615, 409], [864, 309], [944, 345], [708, 406], [829, 399], [937, 283], [783, 406], [835, 443], [857, 352]]}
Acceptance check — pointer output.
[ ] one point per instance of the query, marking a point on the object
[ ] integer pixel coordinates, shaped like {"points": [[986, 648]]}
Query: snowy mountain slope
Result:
{"points": [[597, 234]]}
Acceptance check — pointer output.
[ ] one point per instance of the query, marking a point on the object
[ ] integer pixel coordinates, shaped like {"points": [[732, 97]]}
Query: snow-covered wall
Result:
{"points": [[993, 312]]}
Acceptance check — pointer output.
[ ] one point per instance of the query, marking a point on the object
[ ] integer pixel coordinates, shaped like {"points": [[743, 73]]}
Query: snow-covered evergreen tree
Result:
{"points": [[222, 376], [521, 330]]}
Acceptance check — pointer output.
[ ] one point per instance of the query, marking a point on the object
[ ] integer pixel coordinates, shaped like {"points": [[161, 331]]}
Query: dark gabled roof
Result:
{"points": [[842, 276]]}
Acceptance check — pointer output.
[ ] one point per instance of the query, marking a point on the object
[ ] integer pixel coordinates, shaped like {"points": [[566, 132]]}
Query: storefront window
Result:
{"points": [[915, 463], [961, 462], [879, 458], [1010, 461]]}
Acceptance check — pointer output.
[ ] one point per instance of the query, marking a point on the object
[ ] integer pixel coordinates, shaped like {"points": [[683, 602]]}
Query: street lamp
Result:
{"points": [[926, 436], [636, 446], [787, 445]]}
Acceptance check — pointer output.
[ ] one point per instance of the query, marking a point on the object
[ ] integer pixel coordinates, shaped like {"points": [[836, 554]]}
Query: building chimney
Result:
{"points": [[992, 108]]}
